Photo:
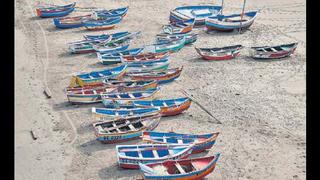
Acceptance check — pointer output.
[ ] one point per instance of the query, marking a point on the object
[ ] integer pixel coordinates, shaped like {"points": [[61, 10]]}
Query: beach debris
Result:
{"points": [[34, 137], [47, 92]]}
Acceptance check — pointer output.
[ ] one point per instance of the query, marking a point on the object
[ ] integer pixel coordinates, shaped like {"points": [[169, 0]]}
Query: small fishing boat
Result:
{"points": [[159, 65], [125, 129], [128, 52], [95, 77], [179, 27], [129, 156], [122, 86], [172, 46], [164, 76], [169, 107], [111, 13], [115, 36], [231, 22], [87, 46], [86, 96], [118, 39], [115, 58], [202, 142], [103, 114], [71, 22], [199, 13], [111, 48], [55, 10], [190, 37], [223, 53], [273, 52], [191, 169], [104, 24], [127, 96], [141, 58]]}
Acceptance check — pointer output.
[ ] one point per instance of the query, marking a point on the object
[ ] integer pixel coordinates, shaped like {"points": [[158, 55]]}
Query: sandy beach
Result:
{"points": [[262, 105]]}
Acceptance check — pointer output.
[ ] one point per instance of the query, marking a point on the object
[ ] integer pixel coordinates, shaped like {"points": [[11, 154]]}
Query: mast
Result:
{"points": [[244, 3], [222, 6]]}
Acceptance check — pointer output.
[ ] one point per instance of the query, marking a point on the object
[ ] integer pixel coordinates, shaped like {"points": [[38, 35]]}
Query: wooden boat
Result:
{"points": [[179, 27], [223, 53], [121, 57], [71, 22], [231, 22], [77, 21], [103, 114], [127, 96], [132, 60], [119, 12], [202, 142], [128, 52], [104, 24], [122, 86], [169, 107], [191, 169], [115, 36], [111, 48], [162, 77], [199, 13], [87, 46], [129, 156], [172, 46], [95, 77], [160, 65], [86, 96], [190, 37], [124, 129], [55, 10], [273, 52]]}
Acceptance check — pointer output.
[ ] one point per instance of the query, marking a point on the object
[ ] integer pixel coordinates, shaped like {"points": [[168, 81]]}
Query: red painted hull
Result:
{"points": [[218, 58], [175, 110]]}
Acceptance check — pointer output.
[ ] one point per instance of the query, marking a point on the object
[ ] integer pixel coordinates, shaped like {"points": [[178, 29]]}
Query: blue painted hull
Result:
{"points": [[56, 14]]}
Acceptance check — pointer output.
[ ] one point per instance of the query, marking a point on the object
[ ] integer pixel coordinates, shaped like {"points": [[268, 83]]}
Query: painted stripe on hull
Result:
{"points": [[227, 57]]}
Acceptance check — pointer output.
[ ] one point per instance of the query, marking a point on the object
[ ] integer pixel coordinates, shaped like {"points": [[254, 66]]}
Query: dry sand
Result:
{"points": [[261, 104]]}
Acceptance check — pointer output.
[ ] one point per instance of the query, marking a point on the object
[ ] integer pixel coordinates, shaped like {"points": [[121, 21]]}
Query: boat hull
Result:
{"points": [[53, 14]]}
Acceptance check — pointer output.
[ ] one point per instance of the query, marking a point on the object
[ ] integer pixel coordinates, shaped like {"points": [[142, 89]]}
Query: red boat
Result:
{"points": [[183, 169], [273, 52], [223, 53]]}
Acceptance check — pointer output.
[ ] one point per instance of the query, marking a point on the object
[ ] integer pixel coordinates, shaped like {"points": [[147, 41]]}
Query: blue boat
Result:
{"points": [[94, 77], [103, 24], [103, 36], [165, 38], [199, 13], [129, 156], [78, 21], [110, 48], [202, 142], [231, 22], [119, 12], [55, 11], [105, 113]]}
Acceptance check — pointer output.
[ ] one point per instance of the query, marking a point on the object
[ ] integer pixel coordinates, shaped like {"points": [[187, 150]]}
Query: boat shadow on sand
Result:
{"points": [[266, 60], [227, 33], [93, 145], [114, 171]]}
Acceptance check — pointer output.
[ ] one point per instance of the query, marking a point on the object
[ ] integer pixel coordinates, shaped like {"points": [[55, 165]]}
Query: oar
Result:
{"points": [[203, 108]]}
